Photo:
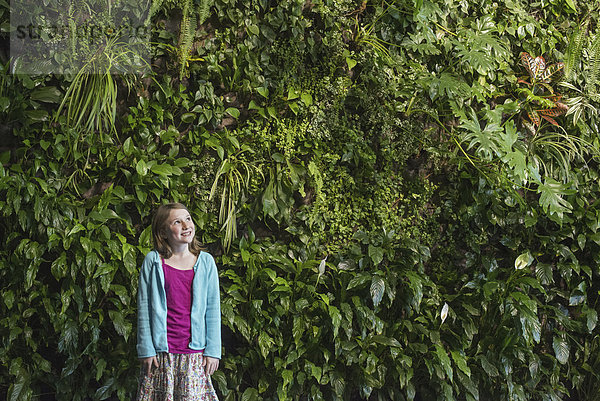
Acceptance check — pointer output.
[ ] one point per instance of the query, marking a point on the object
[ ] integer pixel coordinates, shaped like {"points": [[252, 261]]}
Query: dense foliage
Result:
{"points": [[402, 197]]}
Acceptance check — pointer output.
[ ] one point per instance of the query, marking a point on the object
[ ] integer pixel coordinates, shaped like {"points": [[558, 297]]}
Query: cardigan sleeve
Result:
{"points": [[145, 346], [213, 312]]}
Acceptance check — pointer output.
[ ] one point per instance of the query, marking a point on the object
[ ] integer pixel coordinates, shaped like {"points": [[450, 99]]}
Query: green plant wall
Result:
{"points": [[386, 223]]}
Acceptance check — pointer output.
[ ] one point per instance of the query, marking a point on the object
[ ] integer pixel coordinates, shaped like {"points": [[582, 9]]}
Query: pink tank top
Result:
{"points": [[178, 288]]}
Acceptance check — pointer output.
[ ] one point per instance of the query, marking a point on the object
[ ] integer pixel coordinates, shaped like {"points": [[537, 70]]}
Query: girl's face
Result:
{"points": [[180, 228]]}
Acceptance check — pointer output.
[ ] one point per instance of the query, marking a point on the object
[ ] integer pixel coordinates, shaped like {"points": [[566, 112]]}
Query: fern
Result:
{"points": [[204, 10], [574, 50], [186, 36], [594, 66], [154, 7]]}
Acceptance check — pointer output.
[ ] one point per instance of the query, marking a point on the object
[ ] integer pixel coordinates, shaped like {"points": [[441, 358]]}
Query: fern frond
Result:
{"points": [[574, 50], [204, 10], [187, 33], [594, 66], [154, 7]]}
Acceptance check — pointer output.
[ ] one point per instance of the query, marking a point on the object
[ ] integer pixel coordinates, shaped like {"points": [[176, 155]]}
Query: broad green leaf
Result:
{"points": [[77, 228], [288, 377], [376, 254], [388, 341], [552, 197], [358, 280], [336, 319], [561, 349], [9, 298], [571, 4], [543, 272], [105, 391], [47, 94], [461, 362], [122, 326], [444, 360], [250, 394], [162, 169], [100, 365], [377, 290], [488, 367], [128, 147], [592, 320], [16, 391], [264, 343]]}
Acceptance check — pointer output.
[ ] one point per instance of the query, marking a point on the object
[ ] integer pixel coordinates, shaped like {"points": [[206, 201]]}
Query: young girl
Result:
{"points": [[179, 318]]}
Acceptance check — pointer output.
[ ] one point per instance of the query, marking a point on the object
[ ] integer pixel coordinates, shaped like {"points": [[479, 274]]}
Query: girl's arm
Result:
{"points": [[213, 312], [145, 346]]}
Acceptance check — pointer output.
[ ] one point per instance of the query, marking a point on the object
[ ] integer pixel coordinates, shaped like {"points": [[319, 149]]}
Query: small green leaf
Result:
{"points": [[264, 92], [294, 107], [293, 93], [233, 112], [306, 99], [351, 63], [188, 117], [141, 168]]}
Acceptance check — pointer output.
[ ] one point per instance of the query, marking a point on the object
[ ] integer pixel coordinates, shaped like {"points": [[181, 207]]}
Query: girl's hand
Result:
{"points": [[148, 362], [210, 364]]}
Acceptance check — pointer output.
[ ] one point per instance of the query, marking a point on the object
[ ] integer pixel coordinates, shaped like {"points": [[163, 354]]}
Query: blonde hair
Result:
{"points": [[159, 236]]}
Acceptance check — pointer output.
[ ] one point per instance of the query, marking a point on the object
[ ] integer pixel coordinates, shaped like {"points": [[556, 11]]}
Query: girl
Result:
{"points": [[179, 318]]}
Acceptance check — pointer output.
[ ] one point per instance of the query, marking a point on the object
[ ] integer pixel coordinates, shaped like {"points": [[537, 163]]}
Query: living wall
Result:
{"points": [[402, 198]]}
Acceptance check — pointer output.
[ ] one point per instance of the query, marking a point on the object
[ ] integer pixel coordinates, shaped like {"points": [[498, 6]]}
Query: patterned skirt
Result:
{"points": [[179, 377]]}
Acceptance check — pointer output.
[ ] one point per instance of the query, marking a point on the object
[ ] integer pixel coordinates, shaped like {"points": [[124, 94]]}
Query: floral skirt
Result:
{"points": [[179, 377]]}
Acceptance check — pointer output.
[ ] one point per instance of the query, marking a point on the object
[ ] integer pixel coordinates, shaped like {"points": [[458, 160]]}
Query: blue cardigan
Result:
{"points": [[152, 307]]}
